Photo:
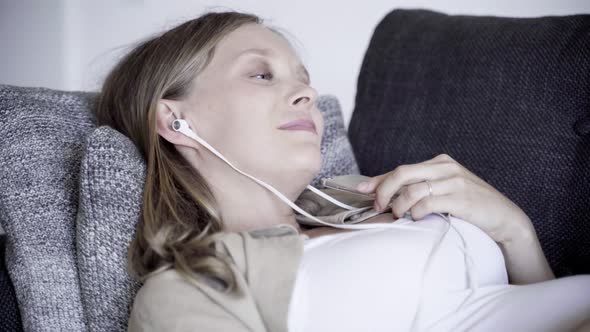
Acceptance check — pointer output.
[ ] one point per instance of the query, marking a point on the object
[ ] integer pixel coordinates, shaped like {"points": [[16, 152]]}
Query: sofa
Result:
{"points": [[509, 98]]}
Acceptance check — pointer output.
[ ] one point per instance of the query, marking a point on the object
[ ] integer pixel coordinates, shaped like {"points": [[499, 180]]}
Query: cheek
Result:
{"points": [[244, 130], [245, 124], [238, 110]]}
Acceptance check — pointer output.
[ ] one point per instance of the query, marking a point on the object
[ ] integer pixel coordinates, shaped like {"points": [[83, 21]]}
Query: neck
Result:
{"points": [[245, 204]]}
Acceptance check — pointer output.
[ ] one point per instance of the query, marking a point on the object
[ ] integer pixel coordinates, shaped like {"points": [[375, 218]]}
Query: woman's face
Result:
{"points": [[254, 84]]}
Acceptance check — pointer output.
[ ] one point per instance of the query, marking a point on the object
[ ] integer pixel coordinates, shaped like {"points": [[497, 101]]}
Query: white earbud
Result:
{"points": [[180, 125]]}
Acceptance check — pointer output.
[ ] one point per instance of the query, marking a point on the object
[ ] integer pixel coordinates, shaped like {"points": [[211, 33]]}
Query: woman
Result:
{"points": [[218, 251]]}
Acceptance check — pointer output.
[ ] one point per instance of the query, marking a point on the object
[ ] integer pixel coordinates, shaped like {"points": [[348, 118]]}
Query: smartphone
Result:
{"points": [[347, 183]]}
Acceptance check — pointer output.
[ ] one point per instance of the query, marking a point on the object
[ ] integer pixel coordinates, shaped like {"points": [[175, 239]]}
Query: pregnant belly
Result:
{"points": [[363, 279], [358, 280]]}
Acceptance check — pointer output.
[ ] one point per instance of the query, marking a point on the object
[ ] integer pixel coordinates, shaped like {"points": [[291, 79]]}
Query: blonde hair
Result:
{"points": [[179, 214]]}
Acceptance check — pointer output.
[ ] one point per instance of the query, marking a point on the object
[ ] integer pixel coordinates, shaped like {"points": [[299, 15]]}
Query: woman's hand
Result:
{"points": [[455, 190], [458, 191]]}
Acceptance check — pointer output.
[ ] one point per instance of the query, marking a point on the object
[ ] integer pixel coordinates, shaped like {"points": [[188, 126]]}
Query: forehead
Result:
{"points": [[253, 36]]}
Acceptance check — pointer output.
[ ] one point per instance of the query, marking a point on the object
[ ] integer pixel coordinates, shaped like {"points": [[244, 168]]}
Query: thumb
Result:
{"points": [[370, 184]]}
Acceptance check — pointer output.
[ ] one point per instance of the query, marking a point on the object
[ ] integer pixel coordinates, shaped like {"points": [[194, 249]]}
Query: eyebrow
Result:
{"points": [[269, 53]]}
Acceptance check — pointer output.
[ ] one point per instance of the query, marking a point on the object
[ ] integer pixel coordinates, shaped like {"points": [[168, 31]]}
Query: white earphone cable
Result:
{"points": [[183, 127]]}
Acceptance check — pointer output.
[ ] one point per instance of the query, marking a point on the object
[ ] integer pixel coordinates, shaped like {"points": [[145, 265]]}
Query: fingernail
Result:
{"points": [[363, 186]]}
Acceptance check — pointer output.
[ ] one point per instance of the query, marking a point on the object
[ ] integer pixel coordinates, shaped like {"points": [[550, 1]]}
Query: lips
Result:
{"points": [[300, 124]]}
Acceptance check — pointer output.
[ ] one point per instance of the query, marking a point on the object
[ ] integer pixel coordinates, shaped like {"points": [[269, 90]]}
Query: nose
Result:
{"points": [[303, 97]]}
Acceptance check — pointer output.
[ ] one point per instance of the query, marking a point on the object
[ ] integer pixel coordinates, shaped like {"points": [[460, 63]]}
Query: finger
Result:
{"points": [[413, 193], [449, 203], [372, 183], [441, 158], [445, 158], [409, 174]]}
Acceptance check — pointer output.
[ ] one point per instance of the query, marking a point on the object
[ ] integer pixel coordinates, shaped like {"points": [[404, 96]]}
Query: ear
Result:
{"points": [[167, 111]]}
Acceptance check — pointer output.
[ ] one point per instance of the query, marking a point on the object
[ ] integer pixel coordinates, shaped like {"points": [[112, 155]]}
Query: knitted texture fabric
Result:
{"points": [[336, 150], [42, 142], [508, 98], [111, 189]]}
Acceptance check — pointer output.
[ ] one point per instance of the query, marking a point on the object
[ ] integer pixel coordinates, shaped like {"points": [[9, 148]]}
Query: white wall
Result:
{"points": [[71, 44], [32, 43]]}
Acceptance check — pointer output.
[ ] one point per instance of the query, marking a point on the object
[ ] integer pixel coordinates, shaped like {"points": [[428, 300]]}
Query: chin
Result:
{"points": [[308, 164]]}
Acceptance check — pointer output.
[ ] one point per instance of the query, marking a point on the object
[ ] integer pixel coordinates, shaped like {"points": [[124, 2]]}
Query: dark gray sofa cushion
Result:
{"points": [[42, 142], [508, 98], [9, 314]]}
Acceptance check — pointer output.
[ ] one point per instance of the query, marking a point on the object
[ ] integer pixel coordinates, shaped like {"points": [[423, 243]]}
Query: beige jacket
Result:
{"points": [[266, 262]]}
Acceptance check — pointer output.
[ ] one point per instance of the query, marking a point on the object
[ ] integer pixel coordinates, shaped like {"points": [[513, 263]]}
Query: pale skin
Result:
{"points": [[237, 104]]}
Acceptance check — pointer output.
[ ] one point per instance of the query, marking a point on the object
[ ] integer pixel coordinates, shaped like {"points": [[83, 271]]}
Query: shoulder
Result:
{"points": [[169, 302], [259, 249], [164, 286]]}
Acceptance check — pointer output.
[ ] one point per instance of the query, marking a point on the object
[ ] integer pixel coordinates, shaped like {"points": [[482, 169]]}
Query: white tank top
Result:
{"points": [[371, 280]]}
